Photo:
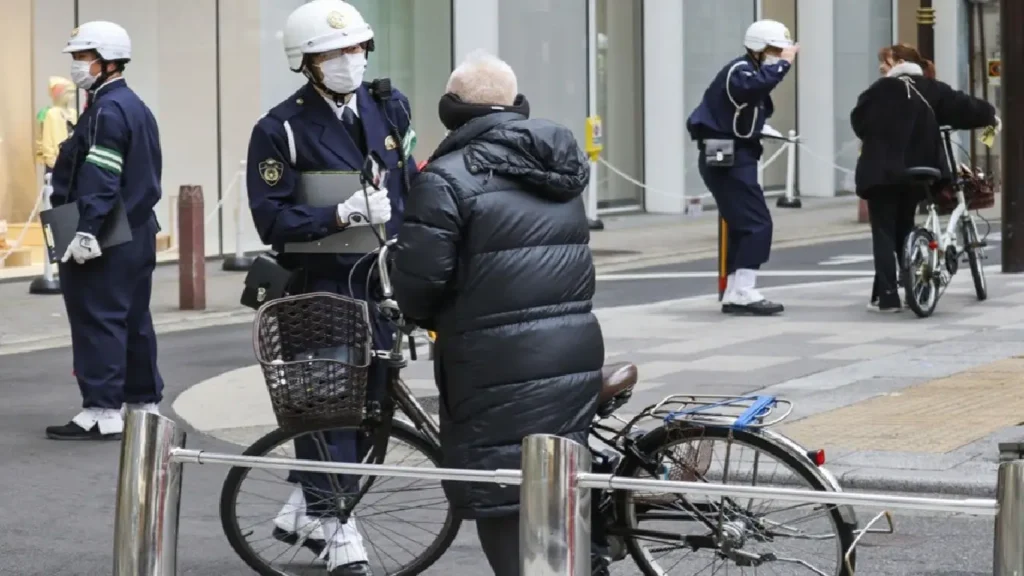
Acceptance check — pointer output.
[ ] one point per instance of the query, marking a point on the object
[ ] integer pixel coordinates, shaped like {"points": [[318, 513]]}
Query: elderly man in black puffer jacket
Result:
{"points": [[493, 255]]}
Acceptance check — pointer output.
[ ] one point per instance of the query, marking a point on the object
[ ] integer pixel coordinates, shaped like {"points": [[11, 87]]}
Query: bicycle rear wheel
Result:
{"points": [[921, 275], [678, 534], [413, 519], [975, 255]]}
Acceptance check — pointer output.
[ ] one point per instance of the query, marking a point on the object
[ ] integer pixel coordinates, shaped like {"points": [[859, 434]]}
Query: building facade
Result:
{"points": [[210, 68]]}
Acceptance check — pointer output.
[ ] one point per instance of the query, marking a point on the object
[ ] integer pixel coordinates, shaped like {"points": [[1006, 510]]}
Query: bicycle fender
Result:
{"points": [[827, 478]]}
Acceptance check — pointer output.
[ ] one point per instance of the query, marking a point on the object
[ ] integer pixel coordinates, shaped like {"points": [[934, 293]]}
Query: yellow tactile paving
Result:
{"points": [[934, 417]]}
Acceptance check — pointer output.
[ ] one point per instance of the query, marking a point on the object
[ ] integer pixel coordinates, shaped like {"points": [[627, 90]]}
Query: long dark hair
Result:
{"points": [[907, 53]]}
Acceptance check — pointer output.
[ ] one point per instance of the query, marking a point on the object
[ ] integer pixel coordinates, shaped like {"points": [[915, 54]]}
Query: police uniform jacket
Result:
{"points": [[113, 152], [742, 87], [303, 134], [897, 120]]}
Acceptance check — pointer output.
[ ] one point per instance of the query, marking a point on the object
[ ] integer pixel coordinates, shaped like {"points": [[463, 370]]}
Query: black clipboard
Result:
{"points": [[60, 225]]}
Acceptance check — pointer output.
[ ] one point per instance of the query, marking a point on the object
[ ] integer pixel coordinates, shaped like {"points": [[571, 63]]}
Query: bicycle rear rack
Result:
{"points": [[732, 411]]}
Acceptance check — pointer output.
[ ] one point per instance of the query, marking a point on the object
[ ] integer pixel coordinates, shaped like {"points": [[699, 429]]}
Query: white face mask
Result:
{"points": [[80, 74], [345, 73], [769, 60]]}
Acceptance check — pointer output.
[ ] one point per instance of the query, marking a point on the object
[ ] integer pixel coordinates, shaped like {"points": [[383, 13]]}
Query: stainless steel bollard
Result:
{"points": [[148, 497], [1009, 540], [554, 512]]}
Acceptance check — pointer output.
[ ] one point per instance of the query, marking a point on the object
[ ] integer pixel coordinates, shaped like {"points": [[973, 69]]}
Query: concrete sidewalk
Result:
{"points": [[29, 322], [897, 403]]}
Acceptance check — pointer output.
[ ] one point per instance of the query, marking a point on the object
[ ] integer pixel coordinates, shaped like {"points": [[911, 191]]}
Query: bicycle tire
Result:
{"points": [[659, 437], [972, 247], [910, 279], [236, 475]]}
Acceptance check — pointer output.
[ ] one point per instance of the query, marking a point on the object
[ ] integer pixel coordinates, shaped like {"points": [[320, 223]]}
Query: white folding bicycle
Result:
{"points": [[931, 255]]}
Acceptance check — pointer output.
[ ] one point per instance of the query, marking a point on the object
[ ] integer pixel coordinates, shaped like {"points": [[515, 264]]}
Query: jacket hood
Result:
{"points": [[541, 154]]}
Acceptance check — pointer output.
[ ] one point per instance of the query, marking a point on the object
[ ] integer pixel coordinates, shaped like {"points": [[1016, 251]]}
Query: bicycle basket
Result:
{"points": [[979, 193], [314, 350]]}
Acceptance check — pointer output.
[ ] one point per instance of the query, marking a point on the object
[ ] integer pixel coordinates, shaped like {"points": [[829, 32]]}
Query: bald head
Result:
{"points": [[483, 78]]}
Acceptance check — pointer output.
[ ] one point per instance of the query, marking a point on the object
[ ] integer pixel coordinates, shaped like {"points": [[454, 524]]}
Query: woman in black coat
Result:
{"points": [[897, 120]]}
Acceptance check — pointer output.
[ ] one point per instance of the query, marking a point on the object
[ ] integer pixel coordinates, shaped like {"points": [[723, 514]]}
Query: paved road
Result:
{"points": [[58, 497], [805, 264]]}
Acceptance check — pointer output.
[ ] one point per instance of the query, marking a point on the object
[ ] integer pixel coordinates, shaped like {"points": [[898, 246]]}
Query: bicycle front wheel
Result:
{"points": [[679, 534], [975, 255], [921, 274], [405, 525]]}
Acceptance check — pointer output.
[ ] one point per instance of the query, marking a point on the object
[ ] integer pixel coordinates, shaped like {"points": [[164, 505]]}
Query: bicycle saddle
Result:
{"points": [[923, 174], [617, 380]]}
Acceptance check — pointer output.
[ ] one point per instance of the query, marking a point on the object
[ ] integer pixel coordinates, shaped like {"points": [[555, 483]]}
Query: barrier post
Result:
{"points": [[554, 511], [148, 497], [790, 200], [191, 249], [47, 283], [723, 250], [238, 262], [1008, 558]]}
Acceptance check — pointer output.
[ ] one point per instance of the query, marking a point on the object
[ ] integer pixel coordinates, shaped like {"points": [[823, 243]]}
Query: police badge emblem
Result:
{"points": [[336, 20], [389, 143], [271, 171]]}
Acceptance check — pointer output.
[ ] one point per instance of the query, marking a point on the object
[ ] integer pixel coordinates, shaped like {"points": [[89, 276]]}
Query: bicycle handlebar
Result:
{"points": [[382, 269]]}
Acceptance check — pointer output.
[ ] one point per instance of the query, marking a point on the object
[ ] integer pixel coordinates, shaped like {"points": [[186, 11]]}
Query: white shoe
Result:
{"points": [[293, 519]]}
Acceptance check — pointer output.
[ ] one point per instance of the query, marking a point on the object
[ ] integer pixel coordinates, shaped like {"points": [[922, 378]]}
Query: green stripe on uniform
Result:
{"points": [[107, 154], [103, 163]]}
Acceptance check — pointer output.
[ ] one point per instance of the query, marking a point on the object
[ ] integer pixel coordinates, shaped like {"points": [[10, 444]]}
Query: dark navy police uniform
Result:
{"points": [[114, 152], [304, 134], [735, 107]]}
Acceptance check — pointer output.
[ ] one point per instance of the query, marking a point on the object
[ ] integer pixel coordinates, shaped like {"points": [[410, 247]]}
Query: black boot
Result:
{"points": [[759, 308], [353, 569], [72, 431]]}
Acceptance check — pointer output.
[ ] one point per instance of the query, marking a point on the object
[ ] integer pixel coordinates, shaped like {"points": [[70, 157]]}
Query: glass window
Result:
{"points": [[712, 36], [784, 97], [620, 100], [861, 27], [545, 42], [414, 50], [18, 184]]}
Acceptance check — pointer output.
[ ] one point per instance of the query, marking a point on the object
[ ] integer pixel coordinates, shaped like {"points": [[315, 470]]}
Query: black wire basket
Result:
{"points": [[315, 351]]}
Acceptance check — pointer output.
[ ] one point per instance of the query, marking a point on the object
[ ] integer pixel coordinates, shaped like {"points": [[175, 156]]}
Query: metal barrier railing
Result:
{"points": [[555, 470]]}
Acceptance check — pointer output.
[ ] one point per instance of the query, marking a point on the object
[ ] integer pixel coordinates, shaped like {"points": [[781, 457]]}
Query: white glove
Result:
{"points": [[83, 248], [356, 210], [999, 125]]}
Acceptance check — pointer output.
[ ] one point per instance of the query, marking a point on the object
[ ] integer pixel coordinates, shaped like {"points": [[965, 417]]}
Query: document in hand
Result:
{"points": [[61, 223]]}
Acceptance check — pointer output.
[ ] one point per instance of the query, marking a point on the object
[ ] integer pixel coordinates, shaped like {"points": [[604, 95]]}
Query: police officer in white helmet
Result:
{"points": [[728, 126], [110, 163], [305, 192]]}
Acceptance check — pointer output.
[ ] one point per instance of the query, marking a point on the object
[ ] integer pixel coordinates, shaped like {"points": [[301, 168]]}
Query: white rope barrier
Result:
{"points": [[24, 228], [761, 167]]}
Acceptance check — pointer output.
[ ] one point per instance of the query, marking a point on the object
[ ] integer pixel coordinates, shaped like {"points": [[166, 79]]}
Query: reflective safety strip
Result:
{"points": [[105, 158]]}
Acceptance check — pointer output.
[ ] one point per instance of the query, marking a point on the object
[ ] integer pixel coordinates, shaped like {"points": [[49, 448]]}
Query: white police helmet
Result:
{"points": [[765, 33], [109, 40], [322, 26]]}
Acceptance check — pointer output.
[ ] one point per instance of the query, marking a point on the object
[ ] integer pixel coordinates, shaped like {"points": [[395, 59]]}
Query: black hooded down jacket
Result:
{"points": [[493, 254]]}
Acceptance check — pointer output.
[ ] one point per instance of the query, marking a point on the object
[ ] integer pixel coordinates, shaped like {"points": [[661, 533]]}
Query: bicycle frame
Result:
{"points": [[947, 237]]}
